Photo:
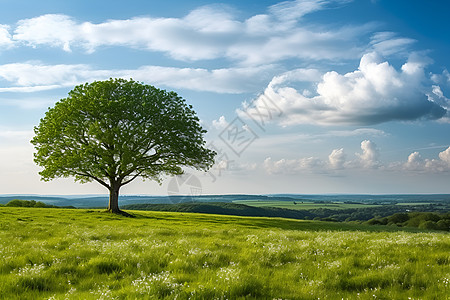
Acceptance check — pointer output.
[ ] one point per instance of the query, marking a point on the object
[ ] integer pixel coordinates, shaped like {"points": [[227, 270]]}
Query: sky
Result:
{"points": [[306, 96]]}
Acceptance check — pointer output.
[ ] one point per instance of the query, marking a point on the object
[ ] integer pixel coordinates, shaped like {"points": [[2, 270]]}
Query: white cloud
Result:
{"points": [[337, 159], [387, 43], [38, 76], [441, 79], [294, 10], [300, 43], [212, 19], [445, 156], [220, 124], [369, 158], [205, 33], [437, 96], [292, 166], [231, 80], [31, 77], [50, 29], [5, 37], [196, 36], [416, 163], [375, 93], [28, 89]]}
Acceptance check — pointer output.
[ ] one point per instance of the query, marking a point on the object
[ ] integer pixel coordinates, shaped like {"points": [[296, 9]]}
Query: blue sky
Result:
{"points": [[306, 96]]}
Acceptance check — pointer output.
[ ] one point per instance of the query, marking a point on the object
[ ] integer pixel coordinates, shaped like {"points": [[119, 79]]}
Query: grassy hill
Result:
{"points": [[89, 254]]}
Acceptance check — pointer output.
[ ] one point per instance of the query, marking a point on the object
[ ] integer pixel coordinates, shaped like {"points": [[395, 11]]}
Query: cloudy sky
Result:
{"points": [[306, 96]]}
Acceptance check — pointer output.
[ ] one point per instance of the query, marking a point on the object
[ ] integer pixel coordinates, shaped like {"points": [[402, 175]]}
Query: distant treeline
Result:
{"points": [[374, 215], [31, 203], [423, 220]]}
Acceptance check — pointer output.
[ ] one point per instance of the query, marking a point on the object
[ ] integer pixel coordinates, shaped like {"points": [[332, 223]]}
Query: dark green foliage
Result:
{"points": [[422, 220], [32, 203], [221, 208], [398, 218], [26, 203]]}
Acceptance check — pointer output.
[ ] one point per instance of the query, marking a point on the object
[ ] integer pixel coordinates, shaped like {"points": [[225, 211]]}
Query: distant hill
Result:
{"points": [[90, 201], [223, 208], [84, 201]]}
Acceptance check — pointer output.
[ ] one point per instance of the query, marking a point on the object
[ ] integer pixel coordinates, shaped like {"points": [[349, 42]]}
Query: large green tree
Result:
{"points": [[115, 131]]}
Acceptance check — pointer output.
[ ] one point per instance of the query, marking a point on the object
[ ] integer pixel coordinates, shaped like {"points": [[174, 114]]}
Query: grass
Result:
{"points": [[88, 254], [303, 205]]}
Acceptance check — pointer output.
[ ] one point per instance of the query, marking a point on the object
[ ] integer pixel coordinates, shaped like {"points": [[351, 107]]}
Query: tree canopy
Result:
{"points": [[117, 130]]}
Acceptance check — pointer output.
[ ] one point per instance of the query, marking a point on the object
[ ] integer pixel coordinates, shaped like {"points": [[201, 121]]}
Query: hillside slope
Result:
{"points": [[89, 254]]}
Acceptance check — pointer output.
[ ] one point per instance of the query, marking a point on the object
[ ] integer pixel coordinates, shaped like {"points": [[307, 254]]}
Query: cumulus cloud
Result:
{"points": [[415, 163], [208, 32], [220, 124], [369, 158], [442, 78], [437, 96], [445, 156], [31, 77], [375, 93], [337, 158]]}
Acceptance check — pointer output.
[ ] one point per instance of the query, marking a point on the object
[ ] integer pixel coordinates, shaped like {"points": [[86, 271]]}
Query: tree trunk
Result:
{"points": [[113, 205]]}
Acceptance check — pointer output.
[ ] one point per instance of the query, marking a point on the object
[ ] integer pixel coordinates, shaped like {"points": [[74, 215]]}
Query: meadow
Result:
{"points": [[48, 253]]}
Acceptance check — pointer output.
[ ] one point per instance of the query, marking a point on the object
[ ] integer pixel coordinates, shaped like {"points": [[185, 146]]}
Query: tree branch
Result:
{"points": [[132, 178], [95, 178]]}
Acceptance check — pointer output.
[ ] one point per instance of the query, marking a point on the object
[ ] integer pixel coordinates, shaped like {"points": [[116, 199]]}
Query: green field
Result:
{"points": [[88, 254], [302, 205]]}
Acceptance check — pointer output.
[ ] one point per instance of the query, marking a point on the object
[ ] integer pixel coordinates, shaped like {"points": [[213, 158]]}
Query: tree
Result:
{"points": [[115, 131]]}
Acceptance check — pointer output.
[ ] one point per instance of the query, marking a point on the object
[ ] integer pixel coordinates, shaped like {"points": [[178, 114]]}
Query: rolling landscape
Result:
{"points": [[52, 253], [222, 150], [244, 247]]}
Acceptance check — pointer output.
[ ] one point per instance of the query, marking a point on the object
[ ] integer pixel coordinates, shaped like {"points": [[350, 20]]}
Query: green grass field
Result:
{"points": [[88, 254], [302, 205]]}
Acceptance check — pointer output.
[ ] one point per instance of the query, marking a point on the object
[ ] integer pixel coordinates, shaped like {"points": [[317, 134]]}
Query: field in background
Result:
{"points": [[88, 254]]}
